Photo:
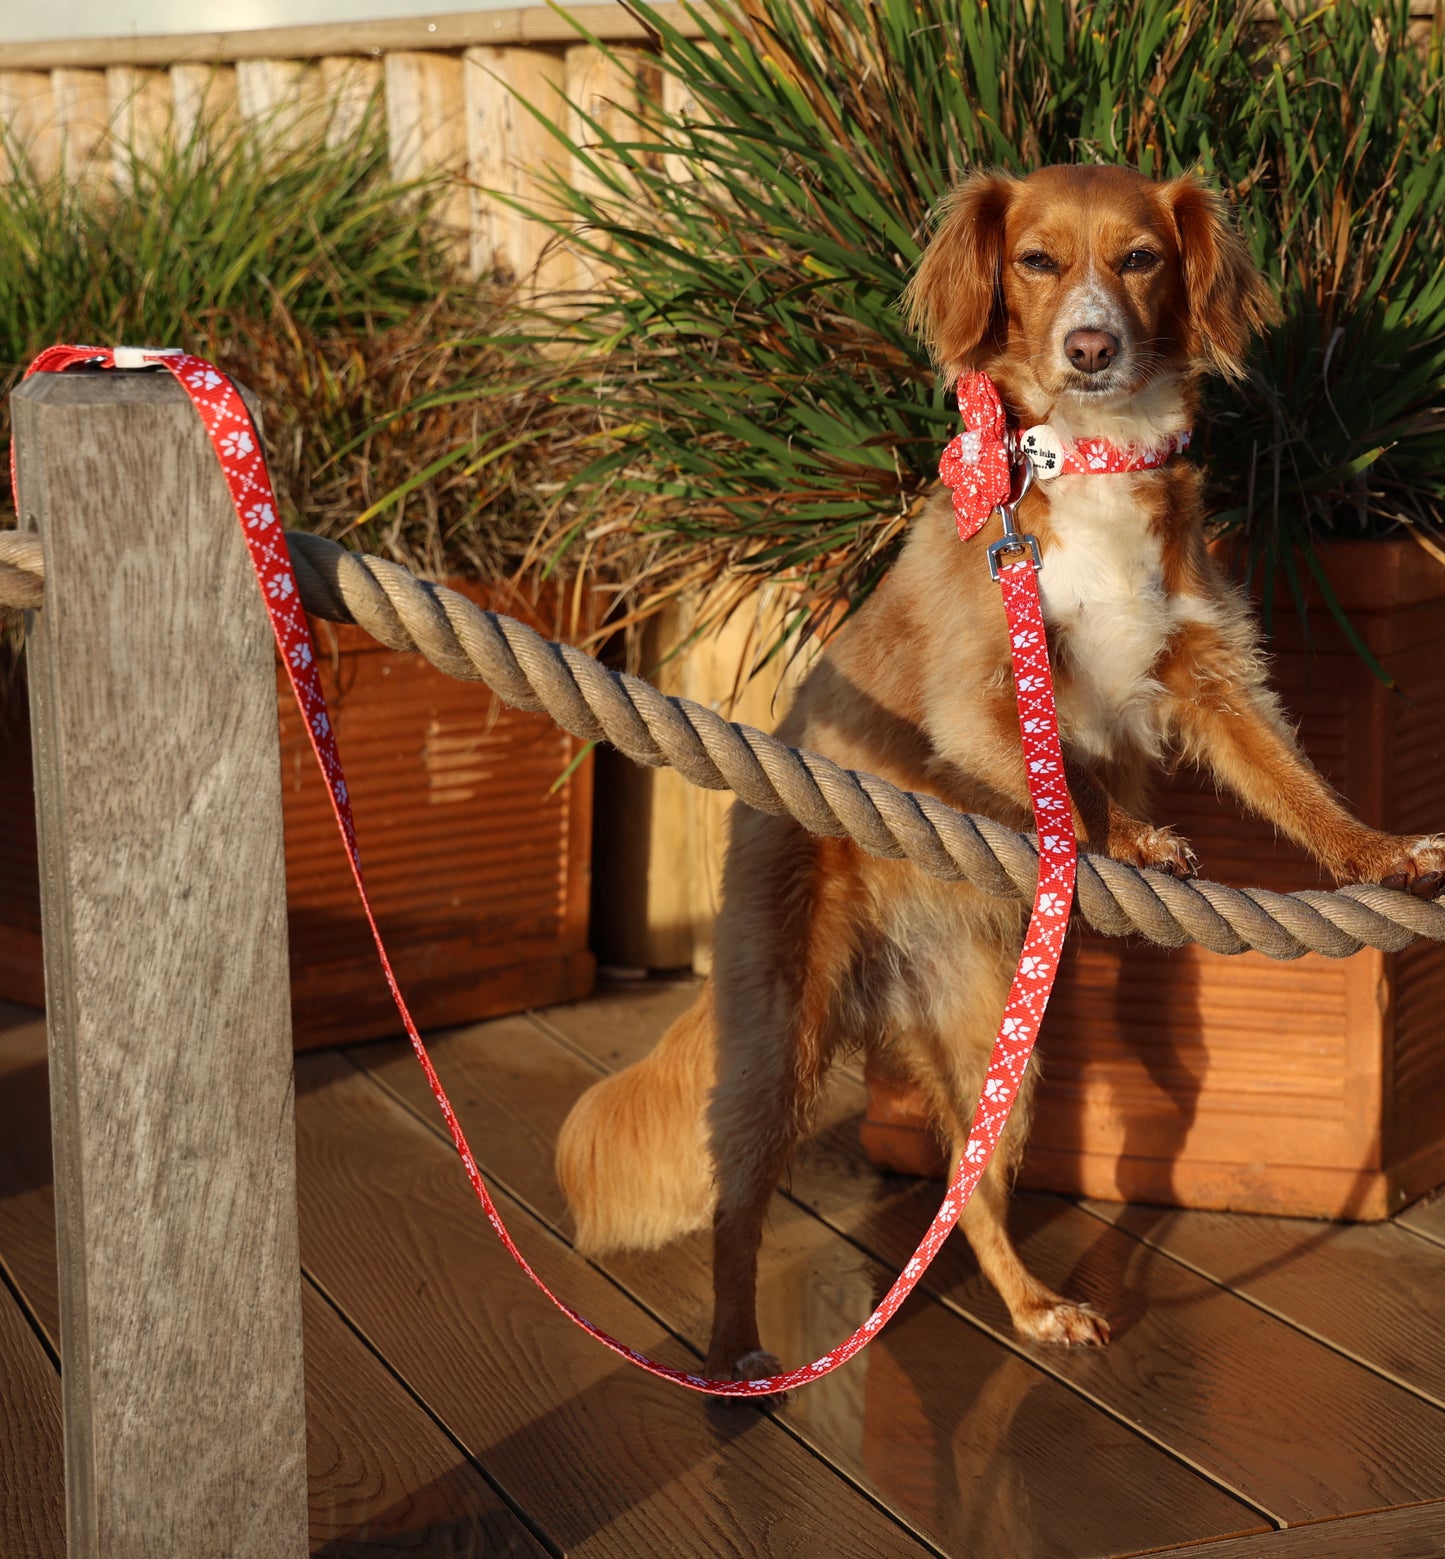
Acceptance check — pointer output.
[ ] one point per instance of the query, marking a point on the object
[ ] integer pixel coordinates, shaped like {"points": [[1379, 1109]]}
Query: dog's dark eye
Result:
{"points": [[1140, 260], [1037, 260]]}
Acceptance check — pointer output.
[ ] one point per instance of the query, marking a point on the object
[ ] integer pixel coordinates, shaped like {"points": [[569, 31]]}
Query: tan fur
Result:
{"points": [[821, 947], [632, 1155]]}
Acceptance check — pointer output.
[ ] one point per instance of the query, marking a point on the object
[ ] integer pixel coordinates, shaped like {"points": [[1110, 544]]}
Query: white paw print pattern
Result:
{"points": [[1092, 456], [260, 516], [234, 445], [1049, 793]]}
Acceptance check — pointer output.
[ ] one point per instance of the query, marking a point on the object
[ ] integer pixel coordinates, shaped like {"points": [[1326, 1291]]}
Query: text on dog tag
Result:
{"points": [[1045, 450]]}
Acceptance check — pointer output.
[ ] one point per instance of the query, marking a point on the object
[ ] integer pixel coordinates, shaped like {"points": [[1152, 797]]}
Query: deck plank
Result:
{"points": [[1413, 1532], [602, 1457], [622, 1022], [967, 1443], [32, 1475], [1373, 1290], [27, 1199], [1296, 1428], [383, 1478], [1292, 1426], [1426, 1218]]}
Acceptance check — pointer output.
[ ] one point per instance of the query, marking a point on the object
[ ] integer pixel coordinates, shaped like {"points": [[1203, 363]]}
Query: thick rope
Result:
{"points": [[585, 698], [22, 570]]}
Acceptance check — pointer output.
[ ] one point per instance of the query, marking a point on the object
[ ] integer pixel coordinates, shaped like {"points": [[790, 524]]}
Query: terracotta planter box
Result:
{"points": [[477, 860], [1316, 1087]]}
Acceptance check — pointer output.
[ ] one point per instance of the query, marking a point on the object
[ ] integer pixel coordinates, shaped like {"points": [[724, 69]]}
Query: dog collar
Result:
{"points": [[978, 464]]}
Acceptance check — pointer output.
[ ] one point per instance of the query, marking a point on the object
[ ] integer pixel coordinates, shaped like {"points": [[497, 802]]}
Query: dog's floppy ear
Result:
{"points": [[1227, 300], [955, 300]]}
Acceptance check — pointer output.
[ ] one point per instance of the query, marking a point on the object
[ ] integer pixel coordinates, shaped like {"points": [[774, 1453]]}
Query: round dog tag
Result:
{"points": [[1045, 450]]}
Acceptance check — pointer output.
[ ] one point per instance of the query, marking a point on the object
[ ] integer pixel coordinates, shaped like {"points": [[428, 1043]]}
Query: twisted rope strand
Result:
{"points": [[585, 698]]}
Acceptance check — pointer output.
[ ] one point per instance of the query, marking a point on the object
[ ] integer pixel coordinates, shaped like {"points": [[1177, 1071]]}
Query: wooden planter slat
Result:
{"points": [[475, 858], [477, 866], [1311, 1088], [1315, 1087]]}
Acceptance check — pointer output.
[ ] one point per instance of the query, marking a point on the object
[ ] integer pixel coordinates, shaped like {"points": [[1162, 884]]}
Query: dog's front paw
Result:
{"points": [[1072, 1325], [757, 1365], [1414, 866], [1156, 849]]}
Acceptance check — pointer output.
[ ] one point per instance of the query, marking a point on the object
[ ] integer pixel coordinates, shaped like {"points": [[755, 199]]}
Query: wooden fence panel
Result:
{"points": [[27, 118], [349, 86], [601, 87], [678, 102], [82, 121], [140, 113], [280, 99], [507, 150], [456, 105], [204, 100], [426, 126]]}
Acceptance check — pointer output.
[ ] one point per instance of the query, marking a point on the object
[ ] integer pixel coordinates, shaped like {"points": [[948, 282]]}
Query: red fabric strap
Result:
{"points": [[238, 449], [978, 463], [1098, 457]]}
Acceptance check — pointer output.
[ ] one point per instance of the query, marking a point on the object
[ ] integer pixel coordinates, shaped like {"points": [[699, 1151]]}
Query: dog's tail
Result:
{"points": [[632, 1156]]}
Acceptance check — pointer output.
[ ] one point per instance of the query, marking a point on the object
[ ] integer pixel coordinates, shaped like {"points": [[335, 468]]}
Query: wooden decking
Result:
{"points": [[1265, 1373]]}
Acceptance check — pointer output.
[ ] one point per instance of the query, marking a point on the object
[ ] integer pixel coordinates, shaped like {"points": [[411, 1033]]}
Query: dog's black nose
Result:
{"points": [[1090, 350]]}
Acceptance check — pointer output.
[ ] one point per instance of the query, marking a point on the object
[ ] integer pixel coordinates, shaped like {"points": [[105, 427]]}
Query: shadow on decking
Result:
{"points": [[1264, 1371]]}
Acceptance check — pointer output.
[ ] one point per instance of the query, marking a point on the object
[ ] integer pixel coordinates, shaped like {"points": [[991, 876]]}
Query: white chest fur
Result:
{"points": [[1102, 588]]}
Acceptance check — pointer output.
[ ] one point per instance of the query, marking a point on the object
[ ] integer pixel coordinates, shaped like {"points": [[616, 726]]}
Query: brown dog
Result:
{"points": [[1096, 300]]}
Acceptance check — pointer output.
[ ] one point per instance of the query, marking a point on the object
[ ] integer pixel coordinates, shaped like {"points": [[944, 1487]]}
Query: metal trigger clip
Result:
{"points": [[1011, 540]]}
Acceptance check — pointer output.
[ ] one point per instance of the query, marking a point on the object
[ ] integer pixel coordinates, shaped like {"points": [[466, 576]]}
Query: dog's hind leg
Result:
{"points": [[784, 946], [763, 1103]]}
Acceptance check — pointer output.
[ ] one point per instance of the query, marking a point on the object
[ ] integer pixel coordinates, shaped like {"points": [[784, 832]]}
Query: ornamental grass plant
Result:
{"points": [[300, 266], [766, 414]]}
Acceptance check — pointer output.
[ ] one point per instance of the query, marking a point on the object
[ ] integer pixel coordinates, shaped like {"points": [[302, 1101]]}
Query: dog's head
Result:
{"points": [[1086, 282]]}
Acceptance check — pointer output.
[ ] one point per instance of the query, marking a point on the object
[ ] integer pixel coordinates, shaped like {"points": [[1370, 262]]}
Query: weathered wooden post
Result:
{"points": [[153, 702]]}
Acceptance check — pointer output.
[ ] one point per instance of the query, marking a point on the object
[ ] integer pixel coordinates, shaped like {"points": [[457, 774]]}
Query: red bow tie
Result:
{"points": [[976, 464]]}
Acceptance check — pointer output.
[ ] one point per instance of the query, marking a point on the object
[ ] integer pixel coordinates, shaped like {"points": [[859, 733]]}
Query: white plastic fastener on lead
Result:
{"points": [[144, 356]]}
